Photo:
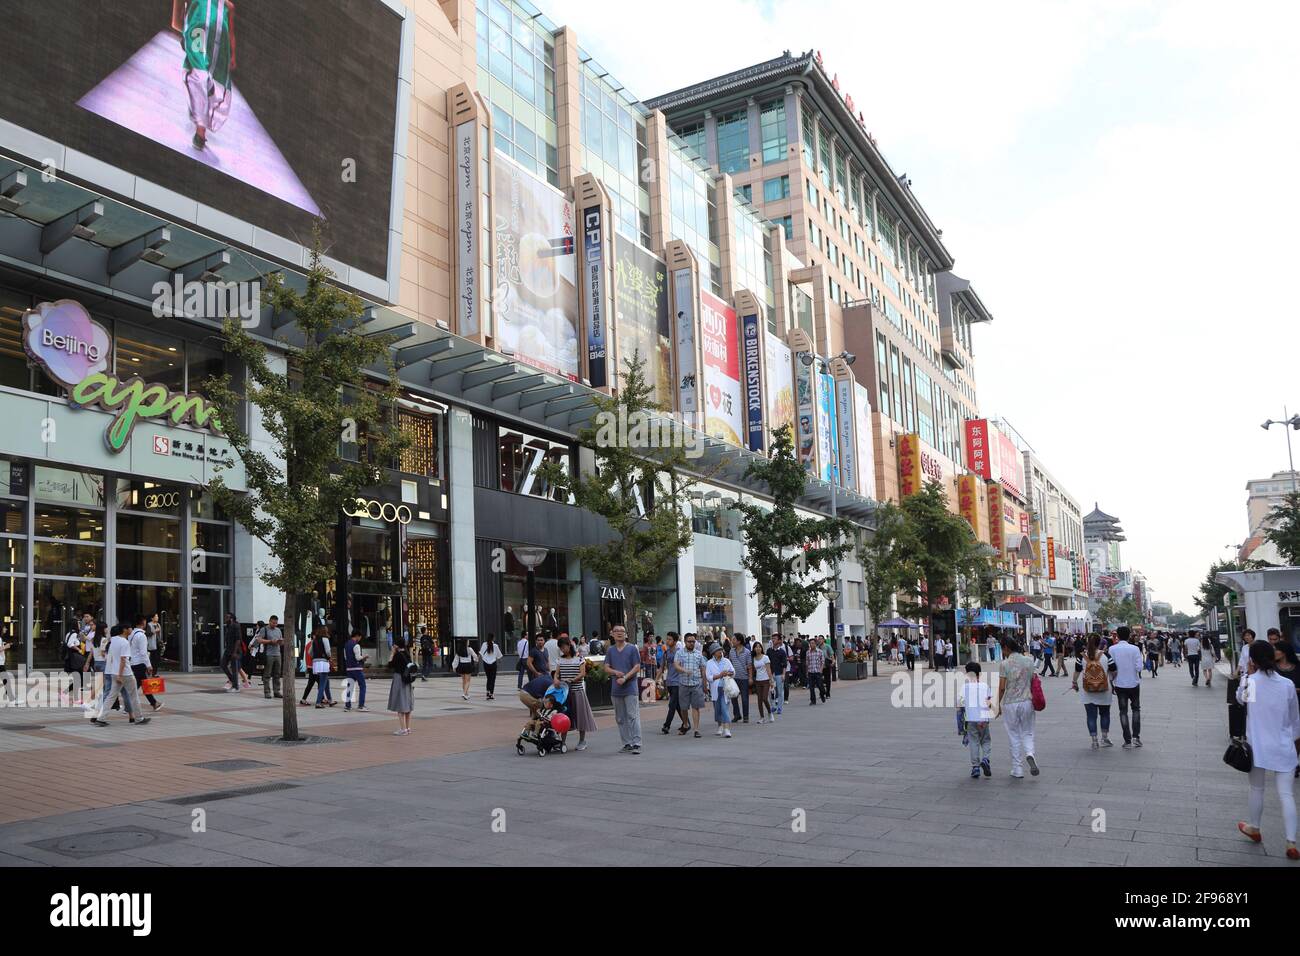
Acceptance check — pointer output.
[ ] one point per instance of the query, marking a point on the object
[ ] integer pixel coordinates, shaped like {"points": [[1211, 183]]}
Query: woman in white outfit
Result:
{"points": [[1015, 704], [463, 662], [1272, 727]]}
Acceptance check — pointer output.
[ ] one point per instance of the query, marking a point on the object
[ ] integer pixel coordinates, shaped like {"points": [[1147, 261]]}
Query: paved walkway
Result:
{"points": [[873, 784]]}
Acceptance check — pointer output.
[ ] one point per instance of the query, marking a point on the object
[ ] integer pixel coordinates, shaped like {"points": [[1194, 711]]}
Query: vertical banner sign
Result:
{"points": [[807, 437], [1051, 559], [997, 536], [977, 448], [909, 465], [719, 349], [751, 346], [848, 444], [969, 498], [1035, 536], [866, 451], [778, 379], [687, 381], [467, 230], [827, 438], [593, 284]]}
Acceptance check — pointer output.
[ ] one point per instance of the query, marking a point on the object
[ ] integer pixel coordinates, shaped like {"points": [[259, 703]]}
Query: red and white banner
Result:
{"points": [[723, 406]]}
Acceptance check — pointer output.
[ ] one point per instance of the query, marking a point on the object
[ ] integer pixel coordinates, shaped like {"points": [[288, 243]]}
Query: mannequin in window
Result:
{"points": [[509, 626], [552, 622], [647, 623]]}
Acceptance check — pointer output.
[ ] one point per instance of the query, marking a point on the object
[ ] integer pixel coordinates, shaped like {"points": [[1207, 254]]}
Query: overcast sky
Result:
{"points": [[1117, 179]]}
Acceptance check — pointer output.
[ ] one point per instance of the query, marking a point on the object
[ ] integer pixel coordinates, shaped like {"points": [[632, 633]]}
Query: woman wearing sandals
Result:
{"points": [[464, 661], [1272, 727], [401, 698], [573, 671]]}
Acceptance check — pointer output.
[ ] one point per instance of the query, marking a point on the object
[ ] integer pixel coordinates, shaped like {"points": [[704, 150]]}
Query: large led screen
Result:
{"points": [[276, 112]]}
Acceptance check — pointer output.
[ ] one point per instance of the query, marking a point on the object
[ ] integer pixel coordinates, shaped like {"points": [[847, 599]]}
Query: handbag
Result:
{"points": [[153, 685], [730, 687], [1239, 756], [1036, 694]]}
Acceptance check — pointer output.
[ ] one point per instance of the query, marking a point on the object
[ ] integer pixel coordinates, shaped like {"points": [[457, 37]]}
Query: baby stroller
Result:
{"points": [[543, 732]]}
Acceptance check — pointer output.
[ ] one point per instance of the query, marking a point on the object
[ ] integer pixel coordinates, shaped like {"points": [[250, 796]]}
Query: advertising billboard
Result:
{"points": [[641, 292], [968, 499], [844, 413], [723, 403], [593, 290], [688, 386], [993, 456], [301, 124], [909, 465], [751, 346], [778, 381], [997, 533], [806, 399], [828, 443], [866, 449], [536, 296], [466, 228]]}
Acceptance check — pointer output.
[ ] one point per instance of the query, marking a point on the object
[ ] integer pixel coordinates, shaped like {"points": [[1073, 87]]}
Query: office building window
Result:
{"points": [[809, 136], [733, 141], [882, 374], [776, 189], [787, 226], [746, 192], [824, 158], [771, 120]]}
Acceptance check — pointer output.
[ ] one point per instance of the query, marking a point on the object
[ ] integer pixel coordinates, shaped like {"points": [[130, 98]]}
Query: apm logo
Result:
{"points": [[131, 910]]}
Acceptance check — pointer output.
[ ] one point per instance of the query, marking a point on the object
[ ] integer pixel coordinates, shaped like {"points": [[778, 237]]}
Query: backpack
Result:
{"points": [[1094, 675], [410, 673]]}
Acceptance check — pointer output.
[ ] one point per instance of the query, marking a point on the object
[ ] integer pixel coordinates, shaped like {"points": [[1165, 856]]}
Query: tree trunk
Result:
{"points": [[289, 664]]}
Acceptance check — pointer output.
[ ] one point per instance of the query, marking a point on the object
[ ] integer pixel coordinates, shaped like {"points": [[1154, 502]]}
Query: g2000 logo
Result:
{"points": [[378, 510]]}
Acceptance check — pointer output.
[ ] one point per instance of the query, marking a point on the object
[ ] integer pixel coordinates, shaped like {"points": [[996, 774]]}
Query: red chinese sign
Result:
{"points": [[909, 465]]}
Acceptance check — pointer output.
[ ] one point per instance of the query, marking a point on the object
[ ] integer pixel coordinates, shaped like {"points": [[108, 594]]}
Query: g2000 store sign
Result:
{"points": [[73, 349]]}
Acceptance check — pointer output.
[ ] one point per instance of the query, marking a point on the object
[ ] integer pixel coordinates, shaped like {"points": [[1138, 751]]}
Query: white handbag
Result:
{"points": [[730, 687]]}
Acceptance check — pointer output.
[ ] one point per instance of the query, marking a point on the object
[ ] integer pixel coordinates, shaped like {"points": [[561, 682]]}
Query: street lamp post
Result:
{"points": [[530, 558], [1284, 421]]}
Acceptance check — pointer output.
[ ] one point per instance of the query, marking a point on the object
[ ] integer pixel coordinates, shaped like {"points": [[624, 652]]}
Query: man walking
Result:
{"points": [[743, 661], [1192, 651], [1049, 655], [672, 685], [521, 651], [828, 667], [816, 663], [117, 668], [779, 657], [232, 659], [688, 662], [271, 640], [1128, 690], [140, 666], [624, 665]]}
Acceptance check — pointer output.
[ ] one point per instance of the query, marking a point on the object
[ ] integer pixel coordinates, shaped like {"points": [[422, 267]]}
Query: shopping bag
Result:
{"points": [[153, 685]]}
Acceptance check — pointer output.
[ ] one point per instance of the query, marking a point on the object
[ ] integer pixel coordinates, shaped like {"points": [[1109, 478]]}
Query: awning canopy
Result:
{"points": [[897, 622], [1023, 609]]}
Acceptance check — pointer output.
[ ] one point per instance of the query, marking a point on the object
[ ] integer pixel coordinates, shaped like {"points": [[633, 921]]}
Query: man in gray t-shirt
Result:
{"points": [[271, 640]]}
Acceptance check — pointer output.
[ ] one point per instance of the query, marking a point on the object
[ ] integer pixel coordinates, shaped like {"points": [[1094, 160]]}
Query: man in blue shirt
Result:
{"points": [[623, 662], [1049, 651]]}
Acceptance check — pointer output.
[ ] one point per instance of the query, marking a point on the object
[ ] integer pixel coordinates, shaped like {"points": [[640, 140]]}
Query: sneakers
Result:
{"points": [[582, 746], [99, 723], [626, 749], [363, 710], [727, 734], [1033, 764], [1137, 741], [984, 765], [1106, 741], [1095, 745], [1128, 745], [760, 721], [1017, 776], [635, 751], [974, 773], [158, 706], [664, 731], [718, 732], [141, 721]]}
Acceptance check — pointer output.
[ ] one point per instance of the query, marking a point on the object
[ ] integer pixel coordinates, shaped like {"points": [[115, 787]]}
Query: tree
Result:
{"points": [[784, 551], [322, 396], [1283, 527], [940, 541], [975, 575], [884, 560], [1180, 621], [639, 496], [1211, 592]]}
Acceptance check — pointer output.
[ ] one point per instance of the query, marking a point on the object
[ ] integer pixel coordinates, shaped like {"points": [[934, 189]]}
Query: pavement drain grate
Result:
{"points": [[228, 794], [230, 766], [279, 741], [99, 842]]}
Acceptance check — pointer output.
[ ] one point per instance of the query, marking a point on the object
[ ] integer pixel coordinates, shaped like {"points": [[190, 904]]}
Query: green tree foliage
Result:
{"points": [[1283, 528], [638, 492], [323, 393], [883, 556], [940, 541], [1211, 591], [793, 559]]}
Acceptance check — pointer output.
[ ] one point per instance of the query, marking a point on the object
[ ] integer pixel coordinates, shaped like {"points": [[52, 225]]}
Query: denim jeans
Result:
{"points": [[1130, 697], [355, 689], [721, 707], [674, 708], [627, 714], [814, 686], [1194, 667], [1092, 710], [323, 688], [981, 742], [742, 702], [778, 691]]}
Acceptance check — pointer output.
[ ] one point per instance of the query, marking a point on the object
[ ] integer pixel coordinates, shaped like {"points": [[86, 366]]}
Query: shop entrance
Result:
{"points": [[373, 610], [613, 608]]}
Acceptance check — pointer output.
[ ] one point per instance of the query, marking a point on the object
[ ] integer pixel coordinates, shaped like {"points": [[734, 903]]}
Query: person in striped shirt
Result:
{"points": [[816, 660]]}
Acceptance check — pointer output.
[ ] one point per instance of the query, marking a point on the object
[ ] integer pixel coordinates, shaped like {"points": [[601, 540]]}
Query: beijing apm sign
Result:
{"points": [[74, 351]]}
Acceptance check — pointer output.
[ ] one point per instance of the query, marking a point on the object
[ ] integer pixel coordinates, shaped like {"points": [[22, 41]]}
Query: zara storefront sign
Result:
{"points": [[73, 349]]}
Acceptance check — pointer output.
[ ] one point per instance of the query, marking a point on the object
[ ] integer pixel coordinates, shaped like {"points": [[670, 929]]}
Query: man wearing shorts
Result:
{"points": [[688, 662]]}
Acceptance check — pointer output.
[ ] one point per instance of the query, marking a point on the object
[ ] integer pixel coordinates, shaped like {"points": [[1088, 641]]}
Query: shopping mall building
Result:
{"points": [[519, 225]]}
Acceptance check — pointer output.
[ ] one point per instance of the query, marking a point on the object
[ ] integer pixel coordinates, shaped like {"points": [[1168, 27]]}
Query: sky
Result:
{"points": [[1118, 181]]}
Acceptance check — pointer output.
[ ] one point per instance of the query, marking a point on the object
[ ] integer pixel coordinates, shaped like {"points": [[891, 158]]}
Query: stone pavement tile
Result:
{"points": [[1234, 843], [187, 853], [1095, 848], [8, 859], [717, 854], [1148, 854], [266, 851], [1209, 855], [1077, 829], [1033, 838], [824, 853], [879, 857], [877, 813]]}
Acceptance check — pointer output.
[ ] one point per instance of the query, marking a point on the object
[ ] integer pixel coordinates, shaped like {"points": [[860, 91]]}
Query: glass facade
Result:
{"points": [[771, 120], [614, 150], [733, 141], [693, 218], [752, 260]]}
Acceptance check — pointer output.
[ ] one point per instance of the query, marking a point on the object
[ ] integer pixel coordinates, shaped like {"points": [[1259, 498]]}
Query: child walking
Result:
{"points": [[974, 710]]}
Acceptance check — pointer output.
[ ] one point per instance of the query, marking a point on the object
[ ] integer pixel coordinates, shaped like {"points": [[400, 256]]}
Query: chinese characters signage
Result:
{"points": [[909, 465], [997, 536], [968, 498]]}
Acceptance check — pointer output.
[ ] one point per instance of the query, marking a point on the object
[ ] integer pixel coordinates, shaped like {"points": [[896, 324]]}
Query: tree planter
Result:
{"points": [[598, 694], [854, 671]]}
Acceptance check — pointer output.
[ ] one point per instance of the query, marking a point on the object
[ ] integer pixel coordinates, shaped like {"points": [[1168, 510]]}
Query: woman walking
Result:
{"points": [[761, 675], [320, 667], [401, 697], [1095, 666], [489, 654], [1015, 703], [1272, 728], [717, 671], [155, 644], [573, 671], [463, 663]]}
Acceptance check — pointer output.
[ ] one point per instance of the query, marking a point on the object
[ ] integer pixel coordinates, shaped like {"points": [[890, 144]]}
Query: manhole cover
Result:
{"points": [[99, 842], [24, 726], [214, 795], [281, 742], [229, 766]]}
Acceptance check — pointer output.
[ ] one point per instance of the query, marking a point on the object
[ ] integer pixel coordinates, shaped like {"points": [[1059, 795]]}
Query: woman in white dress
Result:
{"points": [[1272, 727]]}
